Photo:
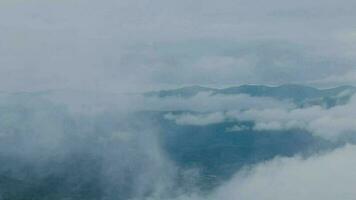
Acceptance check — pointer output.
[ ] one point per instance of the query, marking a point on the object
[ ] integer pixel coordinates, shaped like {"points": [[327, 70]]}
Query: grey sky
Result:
{"points": [[136, 45]]}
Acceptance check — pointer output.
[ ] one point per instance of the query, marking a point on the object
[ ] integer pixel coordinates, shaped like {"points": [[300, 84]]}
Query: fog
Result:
{"points": [[76, 123]]}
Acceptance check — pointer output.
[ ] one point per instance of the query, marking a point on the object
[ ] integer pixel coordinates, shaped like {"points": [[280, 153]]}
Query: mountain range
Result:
{"points": [[299, 94]]}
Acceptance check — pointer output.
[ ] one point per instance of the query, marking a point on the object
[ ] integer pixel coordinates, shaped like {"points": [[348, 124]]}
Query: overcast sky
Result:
{"points": [[126, 45]]}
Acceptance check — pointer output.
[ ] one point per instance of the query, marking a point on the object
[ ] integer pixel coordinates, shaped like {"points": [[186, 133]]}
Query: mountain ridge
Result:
{"points": [[300, 94]]}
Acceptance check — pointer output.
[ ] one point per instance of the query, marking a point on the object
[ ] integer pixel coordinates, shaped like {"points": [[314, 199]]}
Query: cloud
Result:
{"points": [[325, 176], [109, 151], [328, 123], [196, 120], [237, 128], [328, 176]]}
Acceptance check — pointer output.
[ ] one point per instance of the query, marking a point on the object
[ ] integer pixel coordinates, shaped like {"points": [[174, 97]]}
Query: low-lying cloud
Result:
{"points": [[327, 177], [198, 120], [102, 155], [329, 123]]}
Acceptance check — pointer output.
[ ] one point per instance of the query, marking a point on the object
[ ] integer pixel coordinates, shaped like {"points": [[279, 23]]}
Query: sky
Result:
{"points": [[131, 45]]}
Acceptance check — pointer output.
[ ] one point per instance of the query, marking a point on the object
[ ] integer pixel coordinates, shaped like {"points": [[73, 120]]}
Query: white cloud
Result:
{"points": [[237, 128], [196, 119], [327, 176], [321, 177], [268, 126], [328, 123]]}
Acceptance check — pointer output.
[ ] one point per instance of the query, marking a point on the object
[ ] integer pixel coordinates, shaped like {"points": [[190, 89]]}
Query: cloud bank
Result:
{"points": [[330, 123], [329, 176]]}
